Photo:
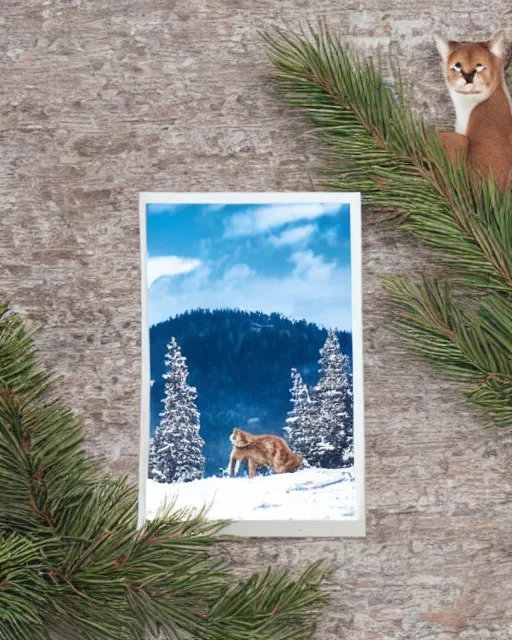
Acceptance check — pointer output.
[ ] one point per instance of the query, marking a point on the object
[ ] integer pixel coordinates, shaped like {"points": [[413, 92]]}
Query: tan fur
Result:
{"points": [[265, 450], [476, 81]]}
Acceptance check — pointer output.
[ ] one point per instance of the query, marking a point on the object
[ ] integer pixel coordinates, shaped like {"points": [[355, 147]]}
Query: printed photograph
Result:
{"points": [[250, 338]]}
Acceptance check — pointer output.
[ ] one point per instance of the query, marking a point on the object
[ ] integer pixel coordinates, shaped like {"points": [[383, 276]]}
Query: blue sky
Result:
{"points": [[287, 258]]}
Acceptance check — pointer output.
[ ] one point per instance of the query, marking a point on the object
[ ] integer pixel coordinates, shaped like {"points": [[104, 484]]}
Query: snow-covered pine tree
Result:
{"points": [[348, 451], [299, 427], [176, 452], [334, 397]]}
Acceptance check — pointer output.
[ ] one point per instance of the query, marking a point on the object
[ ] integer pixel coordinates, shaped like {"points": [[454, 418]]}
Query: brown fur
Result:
{"points": [[265, 450], [475, 77]]}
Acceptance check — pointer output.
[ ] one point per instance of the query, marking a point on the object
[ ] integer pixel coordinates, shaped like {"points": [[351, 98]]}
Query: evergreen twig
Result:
{"points": [[73, 565], [460, 321]]}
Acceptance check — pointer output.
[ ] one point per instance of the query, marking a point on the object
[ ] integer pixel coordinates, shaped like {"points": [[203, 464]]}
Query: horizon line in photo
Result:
{"points": [[249, 311]]}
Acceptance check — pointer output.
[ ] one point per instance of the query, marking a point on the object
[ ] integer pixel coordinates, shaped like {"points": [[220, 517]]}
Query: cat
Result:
{"points": [[475, 75], [265, 450]]}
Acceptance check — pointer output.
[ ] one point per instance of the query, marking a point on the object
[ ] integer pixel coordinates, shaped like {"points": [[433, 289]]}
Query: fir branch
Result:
{"points": [[22, 590], [473, 347], [73, 565], [376, 146]]}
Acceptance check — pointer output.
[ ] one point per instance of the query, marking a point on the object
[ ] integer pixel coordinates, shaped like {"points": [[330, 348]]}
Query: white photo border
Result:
{"points": [[352, 526]]}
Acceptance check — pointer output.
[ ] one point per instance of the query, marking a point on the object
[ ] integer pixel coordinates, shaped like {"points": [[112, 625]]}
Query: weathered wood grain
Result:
{"points": [[102, 99]]}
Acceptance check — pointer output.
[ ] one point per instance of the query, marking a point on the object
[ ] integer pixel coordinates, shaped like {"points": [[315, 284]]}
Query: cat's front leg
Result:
{"points": [[456, 145], [231, 465]]}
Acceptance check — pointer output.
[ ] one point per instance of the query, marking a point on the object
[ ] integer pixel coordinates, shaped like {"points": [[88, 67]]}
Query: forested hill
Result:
{"points": [[240, 363]]}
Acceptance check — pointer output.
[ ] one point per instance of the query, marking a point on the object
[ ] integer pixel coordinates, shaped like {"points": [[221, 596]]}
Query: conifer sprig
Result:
{"points": [[73, 565], [460, 320]]}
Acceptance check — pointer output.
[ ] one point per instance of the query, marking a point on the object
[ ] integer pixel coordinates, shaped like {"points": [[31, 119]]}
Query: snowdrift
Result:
{"points": [[308, 494]]}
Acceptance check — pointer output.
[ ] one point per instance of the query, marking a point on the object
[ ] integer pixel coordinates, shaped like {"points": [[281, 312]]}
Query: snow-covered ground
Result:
{"points": [[308, 494]]}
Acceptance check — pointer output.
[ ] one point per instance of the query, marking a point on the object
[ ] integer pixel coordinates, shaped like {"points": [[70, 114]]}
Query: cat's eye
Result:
{"points": [[456, 67], [479, 68]]}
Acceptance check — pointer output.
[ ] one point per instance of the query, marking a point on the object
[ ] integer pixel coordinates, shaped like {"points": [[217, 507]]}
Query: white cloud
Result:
{"points": [[198, 278], [238, 272], [263, 218], [313, 290], [331, 237], [293, 236], [169, 266], [311, 267]]}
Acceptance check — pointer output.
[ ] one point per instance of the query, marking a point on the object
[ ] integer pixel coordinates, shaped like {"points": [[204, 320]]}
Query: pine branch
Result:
{"points": [[376, 146], [474, 348], [72, 564], [22, 590]]}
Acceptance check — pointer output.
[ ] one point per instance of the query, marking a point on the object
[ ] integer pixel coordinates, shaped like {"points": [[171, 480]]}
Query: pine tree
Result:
{"points": [[176, 451], [333, 397], [348, 450], [320, 424], [74, 565], [299, 423]]}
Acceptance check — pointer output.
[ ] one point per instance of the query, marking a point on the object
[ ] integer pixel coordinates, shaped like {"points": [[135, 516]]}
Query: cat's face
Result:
{"points": [[473, 68]]}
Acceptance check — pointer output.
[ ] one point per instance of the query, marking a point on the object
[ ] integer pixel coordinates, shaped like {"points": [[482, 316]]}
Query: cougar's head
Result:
{"points": [[239, 438], [473, 68]]}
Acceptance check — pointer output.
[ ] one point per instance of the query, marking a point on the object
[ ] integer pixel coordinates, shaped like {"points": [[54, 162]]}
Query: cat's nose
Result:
{"points": [[468, 77]]}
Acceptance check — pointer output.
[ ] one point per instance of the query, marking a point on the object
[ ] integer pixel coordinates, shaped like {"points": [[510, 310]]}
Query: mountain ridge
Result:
{"points": [[240, 362]]}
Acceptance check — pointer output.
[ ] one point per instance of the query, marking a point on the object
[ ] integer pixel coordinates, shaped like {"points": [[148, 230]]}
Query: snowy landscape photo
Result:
{"points": [[252, 400]]}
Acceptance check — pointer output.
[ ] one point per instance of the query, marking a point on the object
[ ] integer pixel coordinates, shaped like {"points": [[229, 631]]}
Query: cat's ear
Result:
{"points": [[444, 46], [498, 45]]}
